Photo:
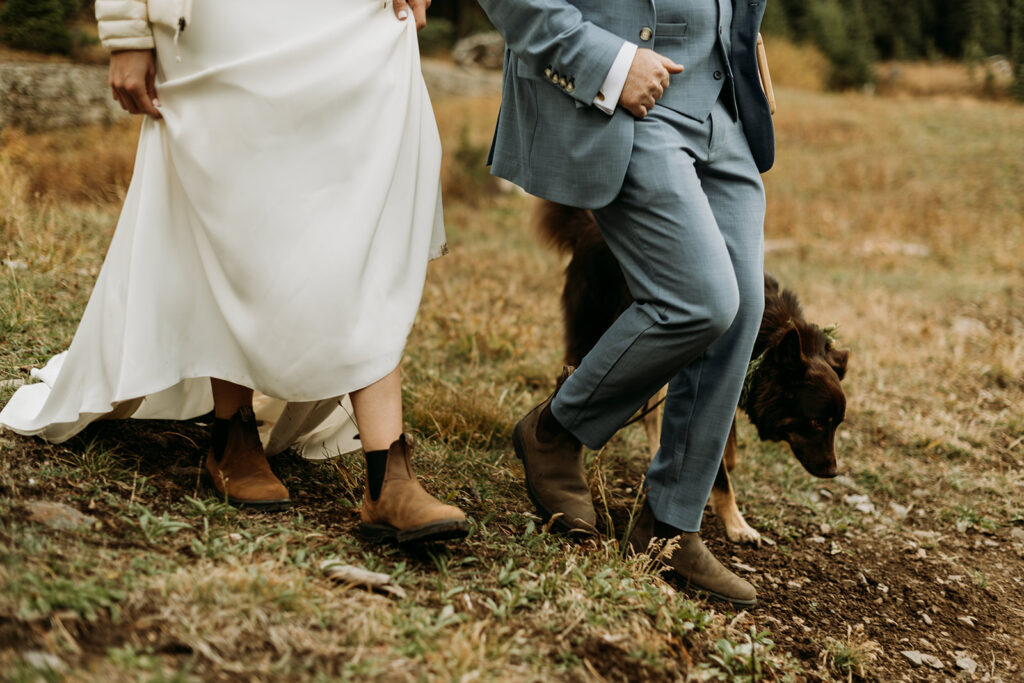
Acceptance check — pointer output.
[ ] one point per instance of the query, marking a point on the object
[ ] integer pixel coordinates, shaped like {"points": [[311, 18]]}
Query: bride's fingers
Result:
{"points": [[401, 9], [419, 10]]}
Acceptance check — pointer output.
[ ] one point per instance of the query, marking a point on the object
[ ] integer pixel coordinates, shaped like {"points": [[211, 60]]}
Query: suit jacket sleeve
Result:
{"points": [[552, 34]]}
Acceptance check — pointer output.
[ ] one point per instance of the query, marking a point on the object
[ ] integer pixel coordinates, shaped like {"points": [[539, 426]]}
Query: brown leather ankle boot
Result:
{"points": [[684, 555], [555, 479], [241, 471], [404, 512]]}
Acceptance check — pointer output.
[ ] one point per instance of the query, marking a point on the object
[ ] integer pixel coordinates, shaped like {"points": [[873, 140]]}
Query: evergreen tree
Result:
{"points": [[37, 25], [1017, 47], [775, 22], [841, 31]]}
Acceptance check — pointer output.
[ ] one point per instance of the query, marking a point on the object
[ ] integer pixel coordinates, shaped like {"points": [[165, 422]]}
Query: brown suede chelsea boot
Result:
{"points": [[404, 512], [685, 555], [555, 479], [239, 466]]}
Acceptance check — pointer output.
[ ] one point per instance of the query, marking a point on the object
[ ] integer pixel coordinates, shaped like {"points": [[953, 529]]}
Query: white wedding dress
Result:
{"points": [[276, 232]]}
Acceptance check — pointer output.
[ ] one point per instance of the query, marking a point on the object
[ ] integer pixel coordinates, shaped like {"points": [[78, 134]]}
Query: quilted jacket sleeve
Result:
{"points": [[124, 24]]}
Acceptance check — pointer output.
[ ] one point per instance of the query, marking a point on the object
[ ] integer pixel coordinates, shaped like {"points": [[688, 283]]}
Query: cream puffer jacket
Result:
{"points": [[127, 24]]}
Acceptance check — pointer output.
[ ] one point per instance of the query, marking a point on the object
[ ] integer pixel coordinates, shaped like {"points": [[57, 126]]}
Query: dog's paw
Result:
{"points": [[741, 532]]}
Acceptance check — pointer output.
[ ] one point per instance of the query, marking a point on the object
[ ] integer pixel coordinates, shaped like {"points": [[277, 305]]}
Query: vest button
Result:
{"points": [[718, 75], [646, 33]]}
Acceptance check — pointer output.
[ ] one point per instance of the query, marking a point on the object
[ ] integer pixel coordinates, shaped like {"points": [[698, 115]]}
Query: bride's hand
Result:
{"points": [[419, 11], [133, 81]]}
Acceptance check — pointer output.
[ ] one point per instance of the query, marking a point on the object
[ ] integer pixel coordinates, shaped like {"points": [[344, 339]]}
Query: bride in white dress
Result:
{"points": [[275, 237]]}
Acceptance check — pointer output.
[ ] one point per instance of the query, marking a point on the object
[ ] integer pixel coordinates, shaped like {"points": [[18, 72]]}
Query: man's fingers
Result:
{"points": [[401, 9], [671, 66]]}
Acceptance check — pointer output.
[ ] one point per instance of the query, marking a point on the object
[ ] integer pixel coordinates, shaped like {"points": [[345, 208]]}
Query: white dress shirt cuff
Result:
{"points": [[608, 96]]}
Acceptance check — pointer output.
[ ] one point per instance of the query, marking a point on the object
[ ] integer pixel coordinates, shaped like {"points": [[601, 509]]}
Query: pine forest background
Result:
{"points": [[852, 34]]}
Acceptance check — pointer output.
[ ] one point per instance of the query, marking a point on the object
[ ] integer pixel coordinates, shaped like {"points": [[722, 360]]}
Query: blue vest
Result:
{"points": [[695, 33]]}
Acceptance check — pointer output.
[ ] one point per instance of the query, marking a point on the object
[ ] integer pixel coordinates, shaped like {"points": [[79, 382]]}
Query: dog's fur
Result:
{"points": [[794, 395]]}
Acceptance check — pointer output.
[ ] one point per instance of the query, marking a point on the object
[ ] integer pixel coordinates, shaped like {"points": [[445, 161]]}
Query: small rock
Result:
{"points": [[817, 539], [11, 383], [989, 543], [44, 661], [795, 585], [847, 482], [57, 515], [863, 579], [767, 541], [964, 326], [927, 619], [357, 576], [826, 529], [913, 655], [744, 567], [932, 661], [1017, 534], [860, 502], [900, 511], [967, 621], [919, 493], [967, 664], [826, 494]]}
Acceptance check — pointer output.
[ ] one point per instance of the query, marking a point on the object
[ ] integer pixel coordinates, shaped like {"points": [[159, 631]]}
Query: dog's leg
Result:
{"points": [[652, 420], [723, 500]]}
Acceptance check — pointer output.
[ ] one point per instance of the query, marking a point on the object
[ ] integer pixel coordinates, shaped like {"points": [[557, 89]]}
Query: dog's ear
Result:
{"points": [[837, 358], [788, 351]]}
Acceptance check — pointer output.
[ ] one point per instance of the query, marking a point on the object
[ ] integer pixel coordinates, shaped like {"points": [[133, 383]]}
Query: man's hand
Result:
{"points": [[133, 81], [419, 11], [648, 77]]}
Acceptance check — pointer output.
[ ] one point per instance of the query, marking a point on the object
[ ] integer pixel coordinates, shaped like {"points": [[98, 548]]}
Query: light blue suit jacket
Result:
{"points": [[551, 140]]}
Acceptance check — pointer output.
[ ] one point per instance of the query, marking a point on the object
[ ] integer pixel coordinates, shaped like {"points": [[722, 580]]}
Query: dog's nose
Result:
{"points": [[829, 472]]}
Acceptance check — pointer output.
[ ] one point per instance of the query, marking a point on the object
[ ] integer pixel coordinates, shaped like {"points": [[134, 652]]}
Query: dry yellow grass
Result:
{"points": [[990, 80], [91, 164], [796, 65]]}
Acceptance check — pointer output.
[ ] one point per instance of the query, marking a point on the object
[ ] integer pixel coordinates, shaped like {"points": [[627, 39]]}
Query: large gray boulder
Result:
{"points": [[486, 50]]}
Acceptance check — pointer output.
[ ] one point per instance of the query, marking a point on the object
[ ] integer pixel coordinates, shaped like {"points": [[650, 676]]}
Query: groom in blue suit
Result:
{"points": [[650, 113]]}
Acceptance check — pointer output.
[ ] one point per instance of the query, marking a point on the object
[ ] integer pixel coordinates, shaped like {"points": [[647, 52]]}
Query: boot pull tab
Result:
{"points": [[401, 449]]}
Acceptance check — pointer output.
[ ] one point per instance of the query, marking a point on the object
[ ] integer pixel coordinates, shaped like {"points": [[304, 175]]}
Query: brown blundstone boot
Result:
{"points": [[555, 480], [239, 467], [404, 512], [686, 556]]}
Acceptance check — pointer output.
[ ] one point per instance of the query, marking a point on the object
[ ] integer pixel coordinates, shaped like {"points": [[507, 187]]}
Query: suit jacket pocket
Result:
{"points": [[670, 30]]}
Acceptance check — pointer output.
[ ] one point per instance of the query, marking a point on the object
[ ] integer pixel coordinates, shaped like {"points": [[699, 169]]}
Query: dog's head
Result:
{"points": [[798, 398]]}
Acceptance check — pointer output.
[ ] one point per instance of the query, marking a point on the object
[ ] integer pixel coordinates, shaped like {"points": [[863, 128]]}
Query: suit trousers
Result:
{"points": [[687, 228]]}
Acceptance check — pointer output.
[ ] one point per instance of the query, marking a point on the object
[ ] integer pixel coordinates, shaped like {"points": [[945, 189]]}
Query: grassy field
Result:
{"points": [[901, 220]]}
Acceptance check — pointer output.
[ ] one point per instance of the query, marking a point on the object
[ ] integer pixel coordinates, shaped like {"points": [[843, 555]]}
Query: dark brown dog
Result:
{"points": [[792, 393]]}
